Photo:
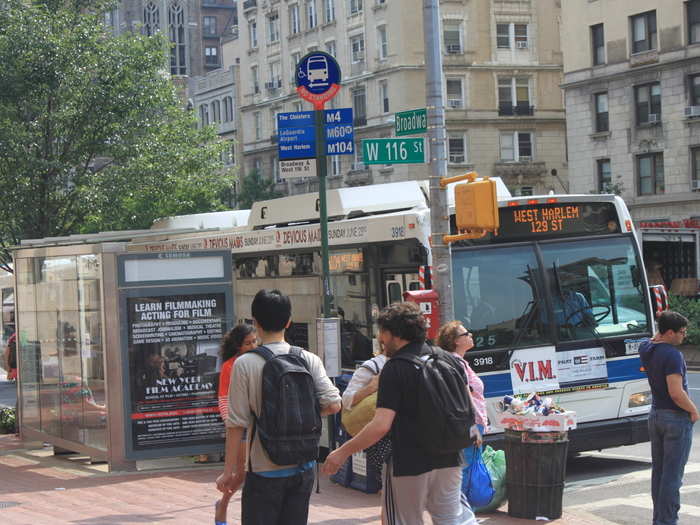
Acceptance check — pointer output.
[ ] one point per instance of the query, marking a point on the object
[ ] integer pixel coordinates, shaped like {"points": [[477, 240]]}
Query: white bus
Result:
{"points": [[557, 302]]}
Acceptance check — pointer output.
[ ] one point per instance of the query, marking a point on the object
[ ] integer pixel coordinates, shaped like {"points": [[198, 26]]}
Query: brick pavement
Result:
{"points": [[38, 488]]}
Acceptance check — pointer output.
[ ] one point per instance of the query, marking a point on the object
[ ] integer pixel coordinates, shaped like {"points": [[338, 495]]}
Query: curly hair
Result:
{"points": [[448, 334], [232, 341], [403, 320]]}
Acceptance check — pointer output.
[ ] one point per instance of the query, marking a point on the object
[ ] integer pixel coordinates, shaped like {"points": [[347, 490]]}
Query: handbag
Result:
{"points": [[362, 413], [476, 481]]}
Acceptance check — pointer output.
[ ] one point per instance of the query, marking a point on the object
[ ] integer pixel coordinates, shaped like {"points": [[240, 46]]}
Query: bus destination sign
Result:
{"points": [[556, 219]]}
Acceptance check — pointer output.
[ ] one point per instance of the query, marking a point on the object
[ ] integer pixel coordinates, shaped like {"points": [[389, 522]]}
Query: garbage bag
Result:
{"points": [[495, 461], [476, 480]]}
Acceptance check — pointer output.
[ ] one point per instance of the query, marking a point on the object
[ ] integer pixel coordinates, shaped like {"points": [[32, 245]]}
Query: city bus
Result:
{"points": [[557, 302]]}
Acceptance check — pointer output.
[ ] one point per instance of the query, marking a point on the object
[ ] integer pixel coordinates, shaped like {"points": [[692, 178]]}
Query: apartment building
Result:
{"points": [[632, 87], [502, 67], [195, 29]]}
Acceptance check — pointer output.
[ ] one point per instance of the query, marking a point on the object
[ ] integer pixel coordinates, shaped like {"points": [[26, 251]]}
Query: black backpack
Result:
{"points": [[290, 417], [444, 409]]}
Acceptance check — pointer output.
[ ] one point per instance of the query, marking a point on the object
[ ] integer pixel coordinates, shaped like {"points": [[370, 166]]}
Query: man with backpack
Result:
{"points": [[278, 393], [423, 401]]}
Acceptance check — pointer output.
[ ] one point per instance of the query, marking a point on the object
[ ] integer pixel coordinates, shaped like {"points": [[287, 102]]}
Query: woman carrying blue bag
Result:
{"points": [[476, 481]]}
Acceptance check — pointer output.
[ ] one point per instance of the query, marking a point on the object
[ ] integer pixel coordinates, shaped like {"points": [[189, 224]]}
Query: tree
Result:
{"points": [[255, 187], [92, 134]]}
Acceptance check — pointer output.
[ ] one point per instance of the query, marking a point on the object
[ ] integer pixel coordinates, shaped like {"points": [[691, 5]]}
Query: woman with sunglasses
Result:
{"points": [[456, 339]]}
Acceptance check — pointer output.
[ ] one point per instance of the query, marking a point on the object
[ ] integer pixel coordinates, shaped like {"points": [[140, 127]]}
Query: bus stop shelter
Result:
{"points": [[118, 351]]}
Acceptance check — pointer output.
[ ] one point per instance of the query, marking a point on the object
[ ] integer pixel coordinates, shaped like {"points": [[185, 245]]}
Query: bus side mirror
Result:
{"points": [[636, 278], [659, 299]]}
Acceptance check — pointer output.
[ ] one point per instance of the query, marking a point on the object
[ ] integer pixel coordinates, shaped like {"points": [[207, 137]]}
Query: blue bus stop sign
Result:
{"points": [[318, 78]]}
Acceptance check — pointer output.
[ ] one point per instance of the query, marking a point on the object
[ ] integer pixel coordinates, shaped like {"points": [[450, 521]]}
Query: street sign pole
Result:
{"points": [[322, 171]]}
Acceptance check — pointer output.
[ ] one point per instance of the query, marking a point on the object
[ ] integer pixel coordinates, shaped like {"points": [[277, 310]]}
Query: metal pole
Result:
{"points": [[321, 171], [439, 213]]}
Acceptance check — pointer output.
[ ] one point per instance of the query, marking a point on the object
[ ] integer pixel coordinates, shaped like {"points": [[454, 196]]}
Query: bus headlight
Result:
{"points": [[639, 399]]}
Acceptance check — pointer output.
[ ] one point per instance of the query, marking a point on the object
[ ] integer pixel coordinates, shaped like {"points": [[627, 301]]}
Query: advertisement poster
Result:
{"points": [[173, 347], [582, 369], [534, 370]]}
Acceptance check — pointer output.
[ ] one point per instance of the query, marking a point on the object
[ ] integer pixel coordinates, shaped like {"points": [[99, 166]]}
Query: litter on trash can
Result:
{"points": [[533, 413]]}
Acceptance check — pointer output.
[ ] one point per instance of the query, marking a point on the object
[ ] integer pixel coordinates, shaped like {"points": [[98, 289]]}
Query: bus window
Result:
{"points": [[496, 295], [594, 296], [413, 285], [394, 292]]}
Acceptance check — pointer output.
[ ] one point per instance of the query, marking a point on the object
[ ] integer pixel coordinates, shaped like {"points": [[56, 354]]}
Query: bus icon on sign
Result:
{"points": [[317, 71]]}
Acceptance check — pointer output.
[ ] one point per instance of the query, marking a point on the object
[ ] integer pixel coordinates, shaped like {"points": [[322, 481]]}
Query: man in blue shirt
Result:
{"points": [[672, 415]]}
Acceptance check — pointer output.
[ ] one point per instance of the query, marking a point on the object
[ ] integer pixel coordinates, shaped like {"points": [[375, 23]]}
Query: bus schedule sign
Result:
{"points": [[554, 219]]}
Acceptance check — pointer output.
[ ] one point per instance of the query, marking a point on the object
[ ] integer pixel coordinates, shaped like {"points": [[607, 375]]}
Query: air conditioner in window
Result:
{"points": [[692, 111], [524, 158], [695, 184], [654, 118], [454, 103], [454, 49], [522, 44], [456, 159]]}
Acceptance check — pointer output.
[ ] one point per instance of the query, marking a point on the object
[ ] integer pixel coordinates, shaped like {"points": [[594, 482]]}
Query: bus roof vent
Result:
{"points": [[342, 203]]}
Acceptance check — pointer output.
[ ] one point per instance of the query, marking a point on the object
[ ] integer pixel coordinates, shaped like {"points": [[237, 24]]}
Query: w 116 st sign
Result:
{"points": [[393, 151]]}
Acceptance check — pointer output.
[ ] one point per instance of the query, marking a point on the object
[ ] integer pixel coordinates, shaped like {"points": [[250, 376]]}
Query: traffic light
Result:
{"points": [[476, 206]]}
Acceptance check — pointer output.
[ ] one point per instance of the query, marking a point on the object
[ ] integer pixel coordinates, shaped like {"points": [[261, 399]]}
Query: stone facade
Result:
{"points": [[632, 60], [517, 132]]}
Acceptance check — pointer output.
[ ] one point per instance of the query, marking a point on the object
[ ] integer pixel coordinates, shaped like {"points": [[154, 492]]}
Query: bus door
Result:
{"points": [[396, 282]]}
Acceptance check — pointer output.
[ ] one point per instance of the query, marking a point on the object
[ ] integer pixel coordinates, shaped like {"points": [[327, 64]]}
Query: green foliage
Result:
{"points": [[255, 187], [690, 308], [615, 188], [92, 133], [8, 421]]}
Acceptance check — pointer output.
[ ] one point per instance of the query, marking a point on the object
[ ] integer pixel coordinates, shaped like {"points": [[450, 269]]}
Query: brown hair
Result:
{"points": [[447, 337], [403, 320]]}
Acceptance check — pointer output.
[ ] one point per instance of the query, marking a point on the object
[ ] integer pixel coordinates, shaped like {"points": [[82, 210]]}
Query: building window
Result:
{"points": [[297, 107], [296, 57], [211, 56], [176, 25], [253, 33], [357, 45], [255, 79], [511, 35], [452, 36], [694, 81], [335, 165], [514, 96], [650, 170], [204, 114], [311, 20], [525, 191], [643, 32], [355, 7], [228, 109], [455, 95], [604, 175], [457, 149], [382, 42], [257, 166], [151, 19], [359, 106], [328, 11], [384, 96], [330, 48], [209, 25], [257, 123], [695, 181], [647, 100], [598, 44], [601, 112], [273, 27], [294, 20], [693, 12], [275, 72], [516, 146], [216, 111]]}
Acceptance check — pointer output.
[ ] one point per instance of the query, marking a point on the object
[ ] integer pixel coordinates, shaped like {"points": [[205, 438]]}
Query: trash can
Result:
{"points": [[363, 475], [535, 473]]}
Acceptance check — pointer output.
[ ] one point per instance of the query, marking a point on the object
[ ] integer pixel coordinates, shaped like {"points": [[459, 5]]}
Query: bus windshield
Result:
{"points": [[506, 298]]}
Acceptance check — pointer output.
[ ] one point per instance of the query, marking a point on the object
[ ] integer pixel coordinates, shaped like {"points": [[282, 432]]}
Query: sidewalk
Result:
{"points": [[37, 487]]}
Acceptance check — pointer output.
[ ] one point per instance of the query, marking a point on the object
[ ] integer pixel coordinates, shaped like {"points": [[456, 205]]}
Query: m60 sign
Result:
{"points": [[393, 151]]}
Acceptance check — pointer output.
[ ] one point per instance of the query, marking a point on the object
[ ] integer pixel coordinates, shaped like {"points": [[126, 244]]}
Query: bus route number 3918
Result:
{"points": [[483, 361]]}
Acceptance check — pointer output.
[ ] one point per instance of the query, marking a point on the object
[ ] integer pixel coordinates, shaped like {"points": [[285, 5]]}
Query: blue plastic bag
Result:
{"points": [[476, 480]]}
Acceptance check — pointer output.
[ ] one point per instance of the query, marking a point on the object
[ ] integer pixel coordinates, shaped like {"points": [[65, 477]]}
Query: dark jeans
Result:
{"points": [[277, 501], [671, 434]]}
